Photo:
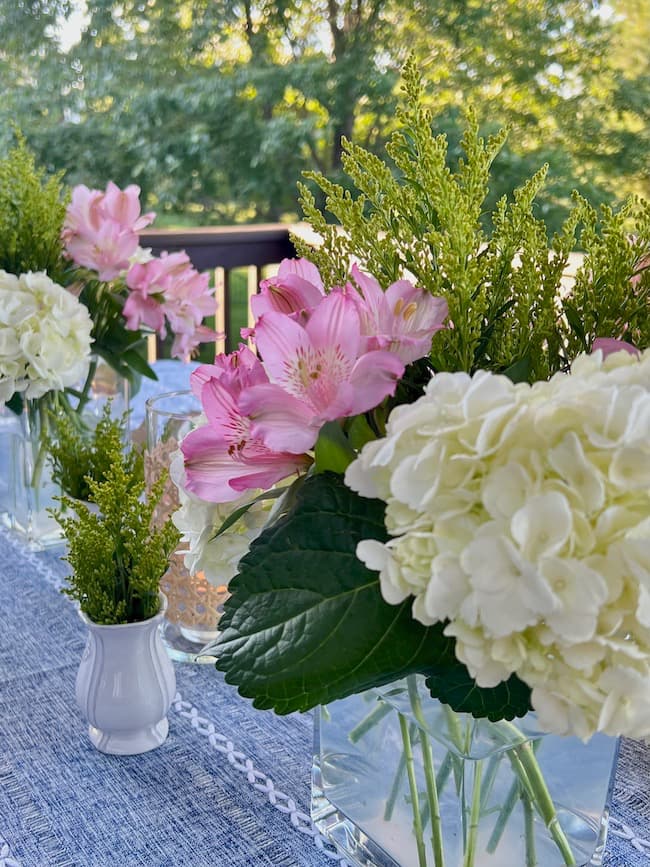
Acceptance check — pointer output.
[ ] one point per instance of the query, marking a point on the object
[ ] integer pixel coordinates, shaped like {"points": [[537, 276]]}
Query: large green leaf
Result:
{"points": [[454, 686], [306, 622]]}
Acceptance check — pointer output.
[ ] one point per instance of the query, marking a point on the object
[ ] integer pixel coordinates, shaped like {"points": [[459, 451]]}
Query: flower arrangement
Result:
{"points": [[472, 492], [117, 555], [128, 291], [518, 517], [88, 243], [76, 287]]}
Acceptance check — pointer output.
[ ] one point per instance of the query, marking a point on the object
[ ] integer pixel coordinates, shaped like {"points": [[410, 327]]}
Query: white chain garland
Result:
{"points": [[6, 858], [620, 829]]}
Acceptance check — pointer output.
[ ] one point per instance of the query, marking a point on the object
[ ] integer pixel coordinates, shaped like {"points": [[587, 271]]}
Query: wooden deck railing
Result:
{"points": [[226, 248], [222, 250]]}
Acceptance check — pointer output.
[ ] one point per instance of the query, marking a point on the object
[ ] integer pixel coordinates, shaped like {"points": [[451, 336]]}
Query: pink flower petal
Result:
{"points": [[283, 423], [278, 339], [217, 473], [303, 268], [334, 325], [374, 377], [289, 295], [609, 345]]}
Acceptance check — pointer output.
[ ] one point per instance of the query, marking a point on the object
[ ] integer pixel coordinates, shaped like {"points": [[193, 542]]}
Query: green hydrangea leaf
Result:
{"points": [[454, 686], [332, 450], [306, 623]]}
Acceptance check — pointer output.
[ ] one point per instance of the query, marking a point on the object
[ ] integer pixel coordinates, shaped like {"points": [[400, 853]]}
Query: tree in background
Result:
{"points": [[215, 107]]}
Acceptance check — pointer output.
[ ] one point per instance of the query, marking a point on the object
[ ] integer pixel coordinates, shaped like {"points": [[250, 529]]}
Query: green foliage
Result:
{"points": [[611, 296], [453, 685], [306, 623], [504, 288], [32, 209], [117, 556], [79, 455]]}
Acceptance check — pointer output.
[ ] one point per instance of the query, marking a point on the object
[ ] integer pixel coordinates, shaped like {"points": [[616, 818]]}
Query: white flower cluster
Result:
{"points": [[521, 515], [198, 521], [44, 336]]}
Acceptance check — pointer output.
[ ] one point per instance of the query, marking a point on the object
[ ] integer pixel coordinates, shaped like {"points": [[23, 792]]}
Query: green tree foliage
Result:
{"points": [[215, 107]]}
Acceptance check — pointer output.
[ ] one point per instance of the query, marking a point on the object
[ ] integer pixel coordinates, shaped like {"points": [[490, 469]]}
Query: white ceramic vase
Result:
{"points": [[125, 685]]}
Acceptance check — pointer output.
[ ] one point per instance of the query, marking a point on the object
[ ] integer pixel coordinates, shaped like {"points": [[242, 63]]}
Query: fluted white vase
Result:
{"points": [[125, 685]]}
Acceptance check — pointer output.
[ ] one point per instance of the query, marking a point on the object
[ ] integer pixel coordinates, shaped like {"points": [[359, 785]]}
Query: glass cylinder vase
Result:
{"points": [[30, 491], [400, 780], [102, 385], [194, 604]]}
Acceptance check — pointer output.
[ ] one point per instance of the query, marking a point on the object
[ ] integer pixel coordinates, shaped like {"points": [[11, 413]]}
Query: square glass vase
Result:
{"points": [[400, 780]]}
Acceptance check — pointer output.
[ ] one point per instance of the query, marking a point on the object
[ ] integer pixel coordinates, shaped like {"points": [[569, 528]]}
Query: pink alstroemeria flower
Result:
{"points": [[144, 304], [402, 320], [100, 231], [169, 288], [609, 345], [318, 372], [123, 207], [223, 457], [296, 287]]}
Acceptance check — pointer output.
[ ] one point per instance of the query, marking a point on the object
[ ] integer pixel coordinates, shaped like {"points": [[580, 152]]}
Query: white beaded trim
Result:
{"points": [[257, 779], [620, 829], [6, 858]]}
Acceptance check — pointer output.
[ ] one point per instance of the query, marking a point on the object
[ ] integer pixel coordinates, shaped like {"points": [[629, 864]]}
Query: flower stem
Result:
{"points": [[85, 391], [489, 778], [36, 423], [413, 788], [394, 789], [544, 803], [475, 815], [375, 716], [443, 772], [504, 815], [429, 774], [529, 830], [524, 755]]}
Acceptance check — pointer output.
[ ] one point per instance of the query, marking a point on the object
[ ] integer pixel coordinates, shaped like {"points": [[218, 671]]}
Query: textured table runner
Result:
{"points": [[229, 788]]}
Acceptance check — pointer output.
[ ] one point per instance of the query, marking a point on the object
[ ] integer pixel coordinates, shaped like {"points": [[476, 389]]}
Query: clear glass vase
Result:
{"points": [[194, 604], [28, 492], [500, 794], [31, 489], [103, 384]]}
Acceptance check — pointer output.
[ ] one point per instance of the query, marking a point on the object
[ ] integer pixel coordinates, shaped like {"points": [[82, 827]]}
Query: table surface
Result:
{"points": [[228, 788]]}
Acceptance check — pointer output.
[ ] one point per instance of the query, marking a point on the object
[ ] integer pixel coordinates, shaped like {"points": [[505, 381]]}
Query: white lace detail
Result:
{"points": [[6, 858], [300, 821], [620, 829]]}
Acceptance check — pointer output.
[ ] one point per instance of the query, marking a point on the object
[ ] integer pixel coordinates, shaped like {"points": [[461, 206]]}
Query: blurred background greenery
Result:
{"points": [[215, 107]]}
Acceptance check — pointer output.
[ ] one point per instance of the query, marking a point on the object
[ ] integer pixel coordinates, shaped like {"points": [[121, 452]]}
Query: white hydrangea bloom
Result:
{"points": [[520, 516], [198, 521], [44, 336]]}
